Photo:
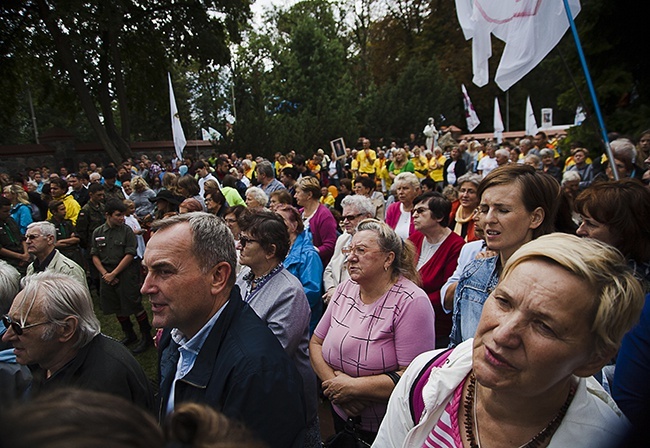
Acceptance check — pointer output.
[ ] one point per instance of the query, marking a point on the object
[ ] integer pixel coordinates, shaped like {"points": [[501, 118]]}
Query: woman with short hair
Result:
{"points": [[398, 214], [256, 198], [526, 378]]}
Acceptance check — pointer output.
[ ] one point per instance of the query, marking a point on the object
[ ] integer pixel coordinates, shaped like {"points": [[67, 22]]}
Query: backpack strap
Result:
{"points": [[416, 401]]}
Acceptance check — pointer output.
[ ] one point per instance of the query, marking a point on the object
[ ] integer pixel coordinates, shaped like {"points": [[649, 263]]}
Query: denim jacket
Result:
{"points": [[478, 280]]}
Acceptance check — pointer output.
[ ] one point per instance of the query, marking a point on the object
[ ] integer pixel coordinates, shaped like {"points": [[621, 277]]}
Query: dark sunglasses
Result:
{"points": [[16, 327], [244, 240]]}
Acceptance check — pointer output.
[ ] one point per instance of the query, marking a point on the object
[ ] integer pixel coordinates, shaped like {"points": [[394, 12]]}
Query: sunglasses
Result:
{"points": [[350, 217], [16, 327], [244, 240]]}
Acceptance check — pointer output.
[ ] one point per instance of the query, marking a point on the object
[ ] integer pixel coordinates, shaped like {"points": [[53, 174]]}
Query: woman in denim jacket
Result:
{"points": [[517, 205]]}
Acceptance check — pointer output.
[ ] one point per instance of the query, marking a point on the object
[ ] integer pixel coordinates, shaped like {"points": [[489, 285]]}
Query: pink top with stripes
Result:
{"points": [[446, 433]]}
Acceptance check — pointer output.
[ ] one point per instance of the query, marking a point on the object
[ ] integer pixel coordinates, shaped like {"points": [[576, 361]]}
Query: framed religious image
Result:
{"points": [[547, 117], [338, 146]]}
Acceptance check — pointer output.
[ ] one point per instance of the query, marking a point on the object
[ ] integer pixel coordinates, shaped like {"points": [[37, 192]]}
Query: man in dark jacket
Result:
{"points": [[215, 349]]}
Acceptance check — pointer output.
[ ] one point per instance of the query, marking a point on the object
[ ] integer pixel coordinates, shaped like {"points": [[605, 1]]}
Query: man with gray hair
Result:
{"points": [[41, 239], [52, 325], [215, 349], [266, 177], [356, 208]]}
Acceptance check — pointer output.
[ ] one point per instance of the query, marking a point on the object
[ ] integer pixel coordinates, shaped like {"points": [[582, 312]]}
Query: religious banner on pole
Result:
{"points": [[470, 113], [498, 122], [177, 129]]}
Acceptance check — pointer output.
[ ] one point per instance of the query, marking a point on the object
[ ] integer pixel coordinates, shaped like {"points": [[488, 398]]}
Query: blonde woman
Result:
{"points": [[21, 210]]}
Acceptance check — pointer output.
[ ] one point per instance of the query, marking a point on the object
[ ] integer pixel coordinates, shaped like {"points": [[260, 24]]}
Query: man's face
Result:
{"points": [[74, 183], [5, 211], [60, 212], [539, 141], [55, 190], [30, 347], [115, 219], [38, 244], [37, 177], [97, 197], [109, 181], [202, 172], [181, 295], [223, 167]]}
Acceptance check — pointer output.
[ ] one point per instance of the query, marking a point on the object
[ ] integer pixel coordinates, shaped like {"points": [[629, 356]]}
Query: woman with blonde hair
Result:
{"points": [[21, 210], [376, 323], [140, 197]]}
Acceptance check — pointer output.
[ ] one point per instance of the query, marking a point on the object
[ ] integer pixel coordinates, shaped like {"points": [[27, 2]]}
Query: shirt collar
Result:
{"points": [[194, 344]]}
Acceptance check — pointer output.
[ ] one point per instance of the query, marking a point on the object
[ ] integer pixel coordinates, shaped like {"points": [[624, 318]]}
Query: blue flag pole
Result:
{"points": [[592, 91]]}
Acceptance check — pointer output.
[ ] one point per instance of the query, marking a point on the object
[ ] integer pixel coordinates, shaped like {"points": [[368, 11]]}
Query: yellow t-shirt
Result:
{"points": [[366, 161], [436, 173]]}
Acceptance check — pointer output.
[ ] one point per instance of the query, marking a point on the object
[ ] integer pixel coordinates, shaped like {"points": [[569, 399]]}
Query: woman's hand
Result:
{"points": [[340, 389]]}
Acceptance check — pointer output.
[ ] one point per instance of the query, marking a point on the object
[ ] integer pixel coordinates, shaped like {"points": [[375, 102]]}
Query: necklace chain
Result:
{"points": [[471, 420]]}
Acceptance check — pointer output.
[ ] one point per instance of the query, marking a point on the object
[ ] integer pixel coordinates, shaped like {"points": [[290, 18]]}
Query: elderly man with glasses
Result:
{"points": [[53, 329], [41, 241]]}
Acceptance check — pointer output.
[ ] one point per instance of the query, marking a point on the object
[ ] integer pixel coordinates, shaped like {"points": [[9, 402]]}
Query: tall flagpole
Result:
{"points": [[592, 91]]}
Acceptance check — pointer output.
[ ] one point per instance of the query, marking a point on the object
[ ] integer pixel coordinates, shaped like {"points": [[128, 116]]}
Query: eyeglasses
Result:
{"points": [[16, 327], [244, 240], [420, 210], [350, 217], [32, 237], [359, 251]]}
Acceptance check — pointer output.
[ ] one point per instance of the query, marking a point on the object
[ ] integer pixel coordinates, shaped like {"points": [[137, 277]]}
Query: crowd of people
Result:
{"points": [[467, 294]]}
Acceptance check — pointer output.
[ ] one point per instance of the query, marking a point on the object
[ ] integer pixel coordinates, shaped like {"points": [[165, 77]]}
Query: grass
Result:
{"points": [[111, 327]]}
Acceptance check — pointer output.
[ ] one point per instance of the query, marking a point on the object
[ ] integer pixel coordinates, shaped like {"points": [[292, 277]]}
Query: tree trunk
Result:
{"points": [[64, 52]]}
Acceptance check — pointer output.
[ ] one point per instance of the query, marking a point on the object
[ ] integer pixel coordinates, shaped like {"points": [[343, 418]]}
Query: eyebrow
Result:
{"points": [[157, 265]]}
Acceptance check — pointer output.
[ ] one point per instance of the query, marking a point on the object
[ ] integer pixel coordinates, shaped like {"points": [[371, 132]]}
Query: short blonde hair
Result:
{"points": [[407, 178], [619, 296]]}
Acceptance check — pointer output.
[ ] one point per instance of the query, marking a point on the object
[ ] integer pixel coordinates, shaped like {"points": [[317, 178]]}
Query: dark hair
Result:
{"points": [[229, 181], [283, 196], [429, 183], [190, 184], [537, 190], [94, 188], [114, 205], [217, 196], [624, 207], [269, 229], [199, 165], [290, 172], [74, 417], [439, 205], [4, 202], [53, 206], [348, 183], [294, 214], [60, 182], [236, 210], [366, 182], [109, 172]]}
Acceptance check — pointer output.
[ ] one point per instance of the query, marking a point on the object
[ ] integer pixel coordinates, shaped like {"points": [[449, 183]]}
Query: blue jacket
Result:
{"points": [[243, 372], [478, 280], [304, 262], [22, 214]]}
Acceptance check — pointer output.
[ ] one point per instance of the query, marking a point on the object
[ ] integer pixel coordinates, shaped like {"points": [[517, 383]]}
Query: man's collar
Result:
{"points": [[40, 266]]}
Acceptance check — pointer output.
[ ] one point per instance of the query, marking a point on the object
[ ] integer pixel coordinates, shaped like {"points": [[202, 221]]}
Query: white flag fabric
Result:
{"points": [[530, 29], [531, 123], [498, 122], [580, 116], [177, 129], [470, 113], [214, 134], [205, 135]]}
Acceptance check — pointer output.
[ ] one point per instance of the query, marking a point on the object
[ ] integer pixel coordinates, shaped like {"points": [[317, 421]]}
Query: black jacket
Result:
{"points": [[459, 169], [243, 372]]}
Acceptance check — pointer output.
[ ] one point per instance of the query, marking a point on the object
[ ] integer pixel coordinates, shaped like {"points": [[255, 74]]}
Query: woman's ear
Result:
{"points": [[537, 217]]}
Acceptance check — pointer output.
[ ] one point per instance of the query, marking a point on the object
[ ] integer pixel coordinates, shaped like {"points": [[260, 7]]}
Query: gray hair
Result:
{"points": [[469, 177], [62, 296], [9, 285], [546, 152], [246, 163], [526, 141], [502, 152], [45, 228], [212, 241], [407, 178], [624, 149], [258, 195], [265, 167], [361, 203], [570, 176]]}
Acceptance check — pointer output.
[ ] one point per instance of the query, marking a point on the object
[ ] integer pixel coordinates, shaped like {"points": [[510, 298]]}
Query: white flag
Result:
{"points": [[580, 116], [530, 29], [531, 123], [205, 135], [498, 122], [214, 134], [177, 129], [470, 113]]}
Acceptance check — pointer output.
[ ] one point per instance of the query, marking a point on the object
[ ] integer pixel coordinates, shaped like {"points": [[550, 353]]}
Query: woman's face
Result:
{"points": [[620, 167], [250, 201], [467, 196], [423, 218], [8, 194], [231, 222], [288, 220], [506, 222], [302, 197], [360, 189], [571, 188], [590, 228], [454, 153], [366, 261], [406, 193], [535, 332], [252, 254], [547, 161], [579, 157]]}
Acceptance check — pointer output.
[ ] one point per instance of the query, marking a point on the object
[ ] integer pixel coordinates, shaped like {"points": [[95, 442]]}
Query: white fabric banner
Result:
{"points": [[580, 116], [470, 113], [530, 29], [531, 123], [214, 134], [498, 122], [177, 129], [205, 135]]}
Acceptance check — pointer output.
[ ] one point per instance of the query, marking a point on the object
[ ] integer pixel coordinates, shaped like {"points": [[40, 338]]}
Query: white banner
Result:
{"points": [[531, 123], [177, 129], [498, 122], [530, 29], [470, 113]]}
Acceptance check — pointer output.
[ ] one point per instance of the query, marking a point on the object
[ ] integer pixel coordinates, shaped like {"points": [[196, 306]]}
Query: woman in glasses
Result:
{"points": [[375, 324], [278, 298]]}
